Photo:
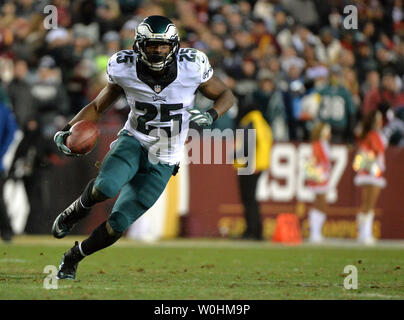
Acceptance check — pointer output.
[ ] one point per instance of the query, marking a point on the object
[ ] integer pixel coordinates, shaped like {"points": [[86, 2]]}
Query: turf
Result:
{"points": [[203, 269]]}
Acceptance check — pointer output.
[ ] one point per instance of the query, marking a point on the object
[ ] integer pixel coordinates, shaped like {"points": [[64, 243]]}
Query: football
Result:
{"points": [[83, 137]]}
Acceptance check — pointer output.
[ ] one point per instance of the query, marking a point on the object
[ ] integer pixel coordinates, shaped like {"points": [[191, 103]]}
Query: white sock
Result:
{"points": [[316, 222], [360, 223], [368, 226]]}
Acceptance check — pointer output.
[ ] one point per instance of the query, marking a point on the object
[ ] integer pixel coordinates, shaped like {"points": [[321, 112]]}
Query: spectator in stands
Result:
{"points": [[19, 92], [350, 81], [337, 107], [347, 40], [387, 96], [84, 43], [127, 34], [8, 13], [59, 45], [26, 8], [372, 82], [22, 46], [108, 13], [111, 41], [384, 60], [346, 59], [290, 57], [245, 79], [304, 12], [272, 64], [78, 83], [329, 48], [282, 28], [297, 115], [399, 54], [270, 101], [262, 38], [309, 55], [364, 59], [64, 13], [49, 96]]}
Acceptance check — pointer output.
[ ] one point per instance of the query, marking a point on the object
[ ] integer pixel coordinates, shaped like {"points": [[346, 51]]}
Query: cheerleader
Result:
{"points": [[369, 165], [317, 171]]}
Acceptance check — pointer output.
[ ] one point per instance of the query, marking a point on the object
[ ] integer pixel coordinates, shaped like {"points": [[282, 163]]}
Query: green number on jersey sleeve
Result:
{"points": [[188, 54], [124, 56]]}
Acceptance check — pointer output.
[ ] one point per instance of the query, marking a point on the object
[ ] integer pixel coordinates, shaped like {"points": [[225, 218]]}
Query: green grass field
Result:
{"points": [[203, 269]]}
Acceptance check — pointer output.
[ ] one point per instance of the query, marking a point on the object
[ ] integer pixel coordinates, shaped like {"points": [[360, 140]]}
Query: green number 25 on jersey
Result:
{"points": [[151, 112]]}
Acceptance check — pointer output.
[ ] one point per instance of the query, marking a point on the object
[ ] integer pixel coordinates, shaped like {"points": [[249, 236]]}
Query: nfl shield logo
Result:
{"points": [[157, 88]]}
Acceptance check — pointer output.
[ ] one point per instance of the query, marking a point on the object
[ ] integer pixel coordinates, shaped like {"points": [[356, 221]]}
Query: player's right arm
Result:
{"points": [[91, 112], [109, 94], [96, 108]]}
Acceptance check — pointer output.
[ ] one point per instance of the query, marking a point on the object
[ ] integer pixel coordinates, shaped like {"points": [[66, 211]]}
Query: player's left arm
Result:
{"points": [[214, 89]]}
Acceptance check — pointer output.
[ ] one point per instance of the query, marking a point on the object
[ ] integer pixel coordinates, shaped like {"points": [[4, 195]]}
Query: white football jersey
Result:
{"points": [[158, 116]]}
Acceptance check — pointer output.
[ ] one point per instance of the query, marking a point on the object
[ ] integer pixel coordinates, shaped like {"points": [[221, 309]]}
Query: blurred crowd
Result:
{"points": [[293, 59]]}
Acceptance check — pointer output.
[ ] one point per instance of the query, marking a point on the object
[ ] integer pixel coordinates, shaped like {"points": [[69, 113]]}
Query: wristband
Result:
{"points": [[213, 113]]}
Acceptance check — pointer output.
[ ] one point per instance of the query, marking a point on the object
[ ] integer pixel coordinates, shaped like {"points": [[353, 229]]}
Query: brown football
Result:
{"points": [[83, 137]]}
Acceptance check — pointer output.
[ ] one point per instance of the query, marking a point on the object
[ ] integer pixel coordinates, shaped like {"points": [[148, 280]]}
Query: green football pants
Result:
{"points": [[126, 168]]}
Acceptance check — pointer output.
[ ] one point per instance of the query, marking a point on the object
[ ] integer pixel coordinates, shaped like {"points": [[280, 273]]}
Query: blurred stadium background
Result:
{"points": [[47, 76]]}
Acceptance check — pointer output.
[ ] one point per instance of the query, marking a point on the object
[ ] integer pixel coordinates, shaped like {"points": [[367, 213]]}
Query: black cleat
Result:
{"points": [[70, 261], [65, 221]]}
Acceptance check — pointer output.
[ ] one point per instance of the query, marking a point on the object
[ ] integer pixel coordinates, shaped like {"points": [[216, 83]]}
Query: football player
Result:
{"points": [[159, 81]]}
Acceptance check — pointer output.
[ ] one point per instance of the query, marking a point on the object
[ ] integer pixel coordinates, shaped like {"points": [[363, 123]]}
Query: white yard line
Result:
{"points": [[7, 260], [376, 295]]}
